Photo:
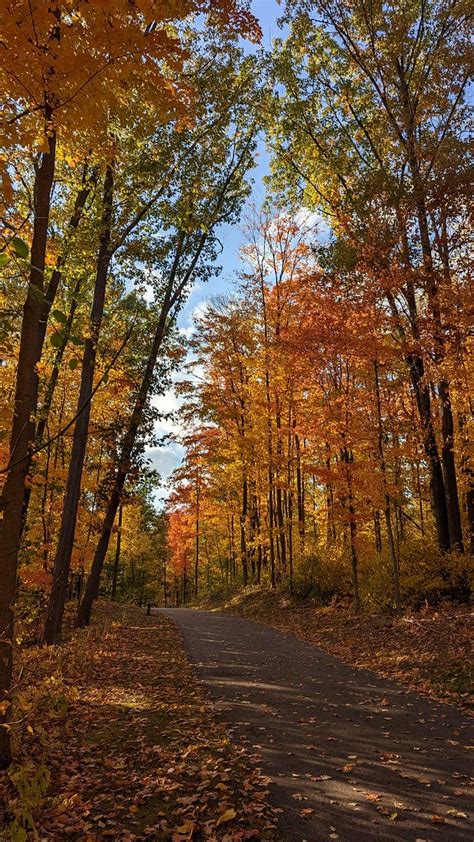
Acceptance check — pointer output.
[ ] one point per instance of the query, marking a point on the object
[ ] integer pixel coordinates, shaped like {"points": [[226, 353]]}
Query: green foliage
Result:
{"points": [[429, 577], [31, 784], [322, 576], [59, 316], [20, 248]]}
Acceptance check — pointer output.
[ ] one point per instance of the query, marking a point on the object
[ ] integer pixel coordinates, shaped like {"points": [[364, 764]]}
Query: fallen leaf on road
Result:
{"points": [[187, 827], [226, 817]]}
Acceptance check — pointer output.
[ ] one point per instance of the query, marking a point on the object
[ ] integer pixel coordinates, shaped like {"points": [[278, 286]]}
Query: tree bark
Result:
{"points": [[117, 553], [170, 299], [196, 555], [23, 430], [377, 532], [49, 394], [423, 402], [243, 541], [438, 494], [68, 523], [387, 512], [347, 459], [449, 470], [300, 493], [453, 515]]}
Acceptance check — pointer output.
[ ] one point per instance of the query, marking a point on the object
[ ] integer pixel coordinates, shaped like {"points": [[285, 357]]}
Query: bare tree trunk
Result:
{"points": [[172, 295], [468, 473], [449, 469], [243, 541], [196, 556], [387, 513], [68, 523], [377, 532], [23, 430], [47, 303], [165, 581], [117, 553], [300, 493], [423, 402], [232, 548], [438, 494], [347, 459], [331, 534], [259, 539], [453, 515]]}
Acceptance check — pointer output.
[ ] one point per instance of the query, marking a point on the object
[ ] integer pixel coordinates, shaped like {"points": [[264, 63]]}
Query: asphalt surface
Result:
{"points": [[366, 758]]}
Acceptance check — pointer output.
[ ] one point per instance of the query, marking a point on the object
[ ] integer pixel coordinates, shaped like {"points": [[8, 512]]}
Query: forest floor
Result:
{"points": [[430, 650], [114, 739]]}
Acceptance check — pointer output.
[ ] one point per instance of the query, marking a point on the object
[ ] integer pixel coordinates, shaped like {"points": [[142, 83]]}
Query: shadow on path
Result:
{"points": [[363, 756]]}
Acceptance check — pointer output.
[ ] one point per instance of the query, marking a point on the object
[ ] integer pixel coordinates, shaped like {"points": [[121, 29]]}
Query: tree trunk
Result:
{"points": [[232, 548], [68, 523], [123, 467], [117, 553], [438, 495], [449, 470], [387, 513], [452, 515], [377, 532], [196, 557], [300, 494], [165, 581], [23, 430], [468, 474], [243, 542], [49, 394], [347, 459], [423, 402]]}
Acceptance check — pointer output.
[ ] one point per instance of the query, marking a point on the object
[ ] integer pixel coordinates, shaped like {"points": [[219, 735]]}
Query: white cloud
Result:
{"points": [[164, 460], [313, 220], [149, 294], [196, 286], [168, 402], [189, 328], [187, 332], [201, 310]]}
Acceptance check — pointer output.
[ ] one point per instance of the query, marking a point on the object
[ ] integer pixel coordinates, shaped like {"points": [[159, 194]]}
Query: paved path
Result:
{"points": [[369, 758]]}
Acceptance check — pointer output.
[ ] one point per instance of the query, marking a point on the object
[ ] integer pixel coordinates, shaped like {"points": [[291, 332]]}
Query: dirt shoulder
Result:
{"points": [[429, 650], [114, 739]]}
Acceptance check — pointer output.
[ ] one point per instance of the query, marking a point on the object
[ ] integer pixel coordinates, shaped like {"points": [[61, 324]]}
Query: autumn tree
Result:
{"points": [[217, 190], [305, 428], [57, 105], [369, 126]]}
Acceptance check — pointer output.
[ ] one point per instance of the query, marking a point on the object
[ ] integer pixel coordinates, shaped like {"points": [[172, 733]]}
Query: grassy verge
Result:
{"points": [[115, 740], [430, 650]]}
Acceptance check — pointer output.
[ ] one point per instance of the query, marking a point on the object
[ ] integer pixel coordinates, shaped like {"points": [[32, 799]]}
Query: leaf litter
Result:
{"points": [[125, 743]]}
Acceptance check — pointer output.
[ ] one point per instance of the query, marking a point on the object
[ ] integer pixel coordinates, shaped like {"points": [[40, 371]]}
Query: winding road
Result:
{"points": [[352, 756]]}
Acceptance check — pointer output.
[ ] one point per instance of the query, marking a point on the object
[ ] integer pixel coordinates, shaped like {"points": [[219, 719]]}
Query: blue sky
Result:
{"points": [[267, 12], [165, 459]]}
